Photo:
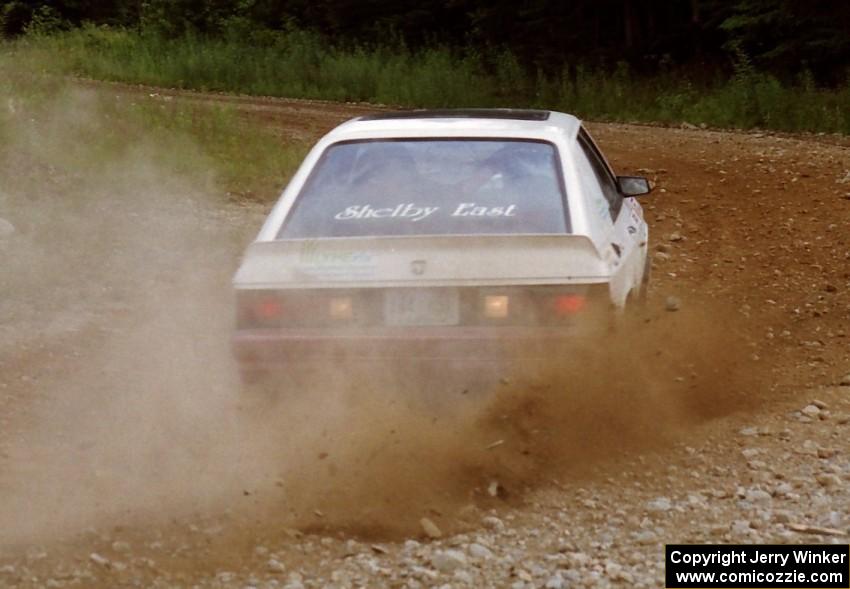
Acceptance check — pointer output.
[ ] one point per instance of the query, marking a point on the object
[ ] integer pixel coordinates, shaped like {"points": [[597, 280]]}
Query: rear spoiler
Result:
{"points": [[465, 260]]}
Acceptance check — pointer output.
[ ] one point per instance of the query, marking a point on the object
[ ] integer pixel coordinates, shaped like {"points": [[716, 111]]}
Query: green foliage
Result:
{"points": [[174, 18], [511, 80], [209, 144], [14, 18], [298, 64], [295, 64], [45, 21], [781, 36]]}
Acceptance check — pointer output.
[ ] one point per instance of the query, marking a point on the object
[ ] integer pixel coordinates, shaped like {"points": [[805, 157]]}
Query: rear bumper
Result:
{"points": [[278, 348]]}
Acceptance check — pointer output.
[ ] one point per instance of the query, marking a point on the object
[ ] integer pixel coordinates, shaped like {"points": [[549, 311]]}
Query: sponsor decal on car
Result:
{"points": [[414, 213], [410, 211], [315, 262]]}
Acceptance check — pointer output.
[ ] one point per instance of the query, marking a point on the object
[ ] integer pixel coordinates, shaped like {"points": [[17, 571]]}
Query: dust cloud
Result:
{"points": [[122, 263], [385, 452], [118, 273]]}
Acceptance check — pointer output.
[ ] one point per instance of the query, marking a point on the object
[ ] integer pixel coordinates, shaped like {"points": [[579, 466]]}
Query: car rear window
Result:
{"points": [[431, 187]]}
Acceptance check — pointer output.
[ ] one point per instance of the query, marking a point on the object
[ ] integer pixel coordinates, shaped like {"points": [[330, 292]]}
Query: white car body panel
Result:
{"points": [[445, 260], [598, 250]]}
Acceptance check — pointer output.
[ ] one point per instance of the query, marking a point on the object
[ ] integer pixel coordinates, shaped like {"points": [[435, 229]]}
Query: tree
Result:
{"points": [[789, 36]]}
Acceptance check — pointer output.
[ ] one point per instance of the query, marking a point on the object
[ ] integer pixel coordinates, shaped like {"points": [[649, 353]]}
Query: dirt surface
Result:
{"points": [[128, 456]]}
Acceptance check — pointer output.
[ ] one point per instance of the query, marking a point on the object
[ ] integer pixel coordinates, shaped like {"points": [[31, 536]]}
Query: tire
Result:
{"points": [[643, 295]]}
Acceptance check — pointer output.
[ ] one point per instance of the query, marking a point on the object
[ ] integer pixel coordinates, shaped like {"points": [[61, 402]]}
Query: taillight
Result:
{"points": [[260, 308], [341, 308], [502, 306], [272, 309], [268, 309], [496, 306], [568, 304]]}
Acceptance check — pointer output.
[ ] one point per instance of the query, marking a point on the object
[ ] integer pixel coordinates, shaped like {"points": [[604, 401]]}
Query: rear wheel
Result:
{"points": [[643, 295], [636, 301]]}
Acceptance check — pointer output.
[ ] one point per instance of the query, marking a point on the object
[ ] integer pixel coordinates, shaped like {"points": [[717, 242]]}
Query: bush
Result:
{"points": [[45, 21], [14, 18], [300, 64]]}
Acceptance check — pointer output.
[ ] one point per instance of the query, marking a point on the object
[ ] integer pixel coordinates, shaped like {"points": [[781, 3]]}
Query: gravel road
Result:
{"points": [[128, 457]]}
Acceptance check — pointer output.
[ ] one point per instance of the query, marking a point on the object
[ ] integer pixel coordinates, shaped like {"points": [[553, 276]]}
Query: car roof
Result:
{"points": [[477, 122], [518, 114]]}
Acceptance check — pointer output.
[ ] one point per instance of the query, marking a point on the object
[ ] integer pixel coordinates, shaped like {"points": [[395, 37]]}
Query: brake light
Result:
{"points": [[341, 308], [569, 304], [268, 309], [496, 306]]}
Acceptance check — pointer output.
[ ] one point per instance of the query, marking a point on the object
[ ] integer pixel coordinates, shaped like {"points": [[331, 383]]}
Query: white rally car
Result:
{"points": [[435, 235]]}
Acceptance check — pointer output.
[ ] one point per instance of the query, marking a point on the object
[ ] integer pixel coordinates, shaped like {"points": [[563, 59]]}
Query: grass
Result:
{"points": [[84, 131], [299, 65]]}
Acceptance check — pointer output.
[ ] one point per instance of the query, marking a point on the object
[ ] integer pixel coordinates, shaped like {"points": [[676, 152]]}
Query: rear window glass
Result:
{"points": [[431, 187]]}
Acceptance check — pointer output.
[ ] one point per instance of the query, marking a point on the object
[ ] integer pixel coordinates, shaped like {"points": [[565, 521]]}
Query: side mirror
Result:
{"points": [[633, 185]]}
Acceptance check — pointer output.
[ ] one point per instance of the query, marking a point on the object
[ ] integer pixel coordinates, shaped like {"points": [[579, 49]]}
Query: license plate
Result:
{"points": [[421, 307]]}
